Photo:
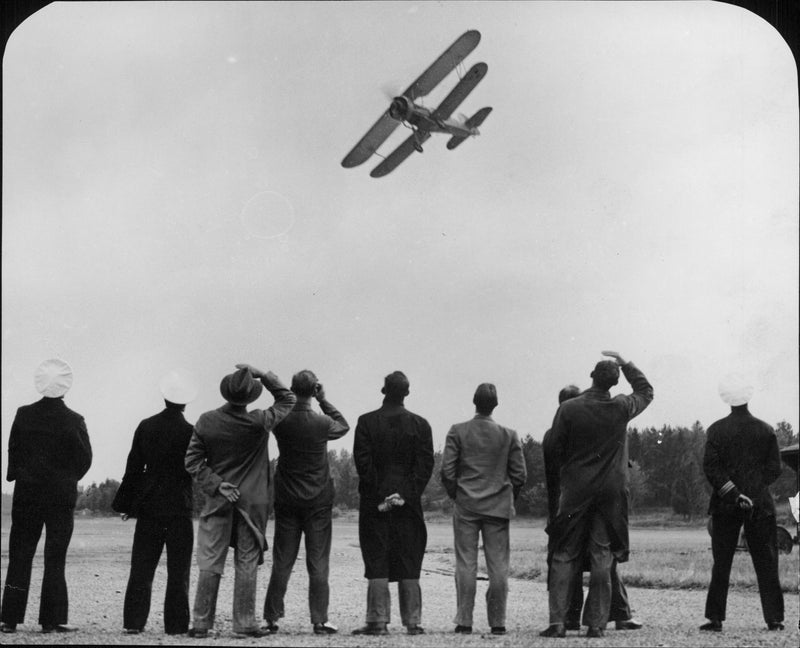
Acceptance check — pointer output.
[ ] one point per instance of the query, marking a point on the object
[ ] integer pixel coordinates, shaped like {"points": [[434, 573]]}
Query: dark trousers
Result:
{"points": [[292, 522], [620, 607], [762, 542], [26, 530], [566, 564], [149, 539]]}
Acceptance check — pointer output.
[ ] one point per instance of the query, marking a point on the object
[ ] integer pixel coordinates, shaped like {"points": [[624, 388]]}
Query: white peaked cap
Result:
{"points": [[53, 378], [735, 389], [178, 386]]}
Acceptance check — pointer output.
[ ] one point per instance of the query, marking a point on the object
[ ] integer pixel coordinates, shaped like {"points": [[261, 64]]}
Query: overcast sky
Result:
{"points": [[173, 197]]}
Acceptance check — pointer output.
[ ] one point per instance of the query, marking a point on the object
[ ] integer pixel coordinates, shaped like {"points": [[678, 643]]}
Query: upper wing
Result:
{"points": [[399, 154], [443, 65], [460, 92], [368, 144]]}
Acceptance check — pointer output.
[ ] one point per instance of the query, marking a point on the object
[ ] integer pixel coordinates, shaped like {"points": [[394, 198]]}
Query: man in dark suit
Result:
{"points": [[590, 445], [620, 612], [304, 494], [483, 470], [157, 490], [393, 453], [741, 461], [48, 452]]}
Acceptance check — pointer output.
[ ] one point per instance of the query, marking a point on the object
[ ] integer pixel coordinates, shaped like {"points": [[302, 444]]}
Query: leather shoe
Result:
{"points": [[198, 633], [595, 632], [463, 629], [60, 627], [712, 626], [271, 627], [554, 630], [777, 625], [8, 628], [256, 632], [414, 629], [498, 630], [373, 629], [325, 628], [132, 631], [628, 624]]}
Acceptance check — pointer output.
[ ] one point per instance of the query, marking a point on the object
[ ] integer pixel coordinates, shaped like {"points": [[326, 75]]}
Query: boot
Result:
{"points": [[205, 600]]}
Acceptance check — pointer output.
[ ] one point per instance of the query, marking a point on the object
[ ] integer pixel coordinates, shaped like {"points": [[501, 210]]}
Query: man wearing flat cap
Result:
{"points": [[590, 445], [48, 453], [157, 490], [741, 460], [393, 453], [229, 458], [483, 470]]}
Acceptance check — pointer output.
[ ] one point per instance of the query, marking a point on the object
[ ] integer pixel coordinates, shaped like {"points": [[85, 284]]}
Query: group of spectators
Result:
{"points": [[483, 471]]}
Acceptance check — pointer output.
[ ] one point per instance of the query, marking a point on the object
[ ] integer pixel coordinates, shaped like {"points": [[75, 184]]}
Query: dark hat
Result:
{"points": [[485, 396], [240, 388], [395, 384], [606, 373]]}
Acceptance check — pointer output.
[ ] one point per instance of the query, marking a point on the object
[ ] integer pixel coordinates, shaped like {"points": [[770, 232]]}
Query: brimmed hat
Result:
{"points": [[178, 386], [735, 389], [240, 388], [53, 378]]}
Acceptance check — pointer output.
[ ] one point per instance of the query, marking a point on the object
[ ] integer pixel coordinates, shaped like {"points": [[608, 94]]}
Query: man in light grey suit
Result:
{"points": [[483, 470]]}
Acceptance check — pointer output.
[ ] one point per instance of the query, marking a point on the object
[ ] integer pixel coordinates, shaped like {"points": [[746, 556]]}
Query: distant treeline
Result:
{"points": [[666, 472]]}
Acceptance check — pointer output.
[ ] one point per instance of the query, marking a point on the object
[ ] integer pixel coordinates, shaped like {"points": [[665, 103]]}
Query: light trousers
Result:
{"points": [[496, 550]]}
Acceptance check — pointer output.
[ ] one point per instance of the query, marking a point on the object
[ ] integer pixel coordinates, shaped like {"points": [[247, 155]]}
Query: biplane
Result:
{"points": [[422, 121]]}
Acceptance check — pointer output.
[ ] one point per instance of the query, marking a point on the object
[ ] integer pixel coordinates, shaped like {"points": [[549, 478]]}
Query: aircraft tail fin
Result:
{"points": [[473, 122]]}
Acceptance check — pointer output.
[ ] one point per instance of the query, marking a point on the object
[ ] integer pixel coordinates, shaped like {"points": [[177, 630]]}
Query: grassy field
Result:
{"points": [[673, 565]]}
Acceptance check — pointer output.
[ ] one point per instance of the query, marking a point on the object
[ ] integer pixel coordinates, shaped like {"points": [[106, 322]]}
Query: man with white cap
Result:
{"points": [[228, 456], [741, 461], [157, 490], [48, 452]]}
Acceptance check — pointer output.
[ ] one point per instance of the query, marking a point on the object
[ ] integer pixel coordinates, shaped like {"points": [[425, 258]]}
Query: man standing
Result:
{"points": [[157, 490], [620, 612], [741, 461], [48, 452], [393, 453], [483, 470], [303, 500], [590, 445], [228, 456]]}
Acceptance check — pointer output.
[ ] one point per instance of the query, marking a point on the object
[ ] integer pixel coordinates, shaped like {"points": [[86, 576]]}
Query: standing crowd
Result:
{"points": [[483, 471]]}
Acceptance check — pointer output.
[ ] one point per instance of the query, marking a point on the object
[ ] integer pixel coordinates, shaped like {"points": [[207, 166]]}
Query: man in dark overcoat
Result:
{"points": [[48, 453], [228, 456], [741, 460], [589, 437], [304, 492], [157, 491], [620, 612], [393, 453]]}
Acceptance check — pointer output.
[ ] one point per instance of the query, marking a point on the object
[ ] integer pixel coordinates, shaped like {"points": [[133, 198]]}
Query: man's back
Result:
{"points": [[743, 449], [485, 460], [48, 452], [302, 476]]}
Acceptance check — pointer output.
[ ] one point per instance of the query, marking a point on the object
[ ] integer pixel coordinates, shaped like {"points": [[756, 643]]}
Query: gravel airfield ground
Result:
{"points": [[97, 572]]}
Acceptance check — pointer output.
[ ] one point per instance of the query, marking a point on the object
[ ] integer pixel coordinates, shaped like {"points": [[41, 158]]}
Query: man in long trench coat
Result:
{"points": [[589, 438], [393, 453], [228, 457]]}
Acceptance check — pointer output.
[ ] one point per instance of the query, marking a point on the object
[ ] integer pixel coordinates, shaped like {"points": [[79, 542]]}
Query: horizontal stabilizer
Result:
{"points": [[473, 122]]}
